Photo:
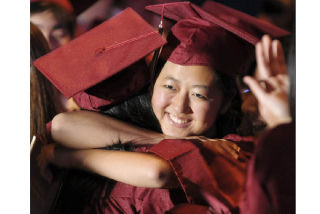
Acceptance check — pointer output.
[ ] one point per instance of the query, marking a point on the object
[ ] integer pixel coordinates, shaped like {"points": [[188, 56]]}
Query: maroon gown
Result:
{"points": [[270, 185], [270, 179], [211, 174]]}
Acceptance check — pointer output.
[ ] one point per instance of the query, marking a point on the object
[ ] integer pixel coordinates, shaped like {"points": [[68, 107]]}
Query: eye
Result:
{"points": [[170, 87], [200, 96]]}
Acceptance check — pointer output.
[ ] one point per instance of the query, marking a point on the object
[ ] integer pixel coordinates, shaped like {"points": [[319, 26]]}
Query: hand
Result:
{"points": [[272, 92], [218, 145], [71, 105], [44, 159]]}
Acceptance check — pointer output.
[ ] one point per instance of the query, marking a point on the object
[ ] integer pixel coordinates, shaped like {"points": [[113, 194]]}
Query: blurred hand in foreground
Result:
{"points": [[272, 89]]}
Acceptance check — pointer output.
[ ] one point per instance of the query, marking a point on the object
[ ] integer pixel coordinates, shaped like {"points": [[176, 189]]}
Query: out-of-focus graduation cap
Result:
{"points": [[65, 4], [105, 60], [214, 35]]}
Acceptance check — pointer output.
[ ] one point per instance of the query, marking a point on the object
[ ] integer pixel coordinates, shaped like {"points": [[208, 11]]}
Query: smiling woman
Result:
{"points": [[186, 99], [193, 91]]}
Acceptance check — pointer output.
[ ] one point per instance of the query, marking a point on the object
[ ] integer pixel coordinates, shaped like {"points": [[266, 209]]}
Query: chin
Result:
{"points": [[172, 133]]}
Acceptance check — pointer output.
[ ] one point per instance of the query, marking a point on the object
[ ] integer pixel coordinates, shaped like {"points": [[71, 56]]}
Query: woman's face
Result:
{"points": [[186, 99], [51, 29]]}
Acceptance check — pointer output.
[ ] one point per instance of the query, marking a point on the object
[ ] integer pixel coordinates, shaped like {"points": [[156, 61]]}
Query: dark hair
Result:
{"points": [[65, 18], [44, 104], [250, 124], [229, 121], [137, 111]]}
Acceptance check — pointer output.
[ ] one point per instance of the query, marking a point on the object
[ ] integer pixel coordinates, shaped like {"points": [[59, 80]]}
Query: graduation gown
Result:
{"points": [[210, 173], [270, 185], [270, 179]]}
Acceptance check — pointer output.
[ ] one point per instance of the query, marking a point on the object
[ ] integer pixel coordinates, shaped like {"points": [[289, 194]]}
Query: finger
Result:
{"points": [[263, 71], [274, 63], [274, 83], [279, 52], [277, 59], [255, 87], [266, 43]]}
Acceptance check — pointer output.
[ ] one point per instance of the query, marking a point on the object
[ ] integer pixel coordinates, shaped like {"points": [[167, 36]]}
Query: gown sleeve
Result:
{"points": [[270, 185], [211, 173]]}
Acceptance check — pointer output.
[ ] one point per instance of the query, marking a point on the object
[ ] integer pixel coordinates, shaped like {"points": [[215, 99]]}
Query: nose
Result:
{"points": [[181, 103]]}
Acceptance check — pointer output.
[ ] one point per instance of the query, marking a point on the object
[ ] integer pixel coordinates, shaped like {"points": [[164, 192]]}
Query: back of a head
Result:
{"points": [[43, 102]]}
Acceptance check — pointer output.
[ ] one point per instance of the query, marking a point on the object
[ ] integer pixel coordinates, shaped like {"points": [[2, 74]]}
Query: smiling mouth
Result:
{"points": [[178, 122]]}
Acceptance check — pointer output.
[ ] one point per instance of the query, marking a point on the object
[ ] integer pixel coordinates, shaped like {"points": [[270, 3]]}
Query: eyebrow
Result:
{"points": [[173, 79], [193, 86], [201, 86]]}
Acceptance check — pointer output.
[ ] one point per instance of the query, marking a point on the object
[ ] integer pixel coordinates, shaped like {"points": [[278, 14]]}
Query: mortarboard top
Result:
{"points": [[214, 35], [101, 53], [236, 18], [243, 25]]}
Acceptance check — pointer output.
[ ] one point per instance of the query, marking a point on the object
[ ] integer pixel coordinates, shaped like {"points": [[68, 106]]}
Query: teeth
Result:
{"points": [[177, 120]]}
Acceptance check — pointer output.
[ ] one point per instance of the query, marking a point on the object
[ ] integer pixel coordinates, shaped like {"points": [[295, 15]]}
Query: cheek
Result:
{"points": [[206, 113], [202, 111], [160, 100]]}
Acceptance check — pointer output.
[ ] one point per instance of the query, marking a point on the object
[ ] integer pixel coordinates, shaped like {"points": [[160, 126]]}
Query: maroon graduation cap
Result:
{"points": [[214, 35], [65, 4], [104, 65]]}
